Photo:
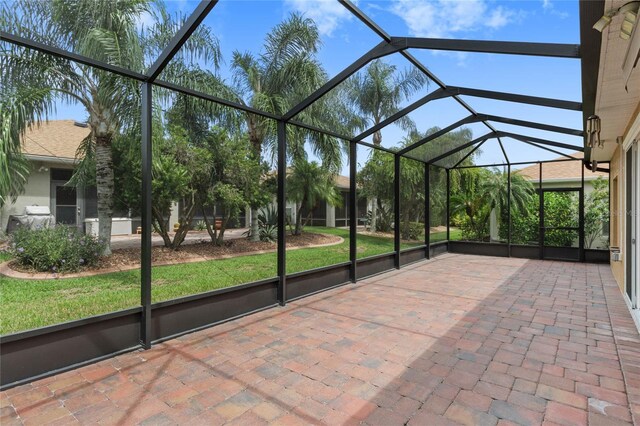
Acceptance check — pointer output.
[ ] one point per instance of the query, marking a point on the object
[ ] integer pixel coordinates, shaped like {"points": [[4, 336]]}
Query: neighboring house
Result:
{"points": [[562, 174], [333, 216], [51, 150]]}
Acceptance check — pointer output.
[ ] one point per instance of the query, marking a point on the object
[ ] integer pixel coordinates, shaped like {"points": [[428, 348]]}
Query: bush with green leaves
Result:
{"points": [[57, 249], [411, 230]]}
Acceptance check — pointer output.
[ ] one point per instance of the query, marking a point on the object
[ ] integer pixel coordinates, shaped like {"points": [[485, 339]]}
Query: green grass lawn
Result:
{"points": [[454, 233], [26, 304]]}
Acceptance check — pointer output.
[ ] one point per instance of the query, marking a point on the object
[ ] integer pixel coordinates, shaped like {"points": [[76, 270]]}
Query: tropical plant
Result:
{"points": [[268, 224], [560, 211], [483, 191], [308, 185], [376, 93], [596, 212], [34, 82], [277, 79]]}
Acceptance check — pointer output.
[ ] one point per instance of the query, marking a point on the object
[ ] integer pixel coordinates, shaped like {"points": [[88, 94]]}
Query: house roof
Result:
{"points": [[563, 170], [56, 139], [342, 181]]}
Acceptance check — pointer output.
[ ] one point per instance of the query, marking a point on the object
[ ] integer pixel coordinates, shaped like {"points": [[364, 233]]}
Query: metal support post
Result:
{"points": [[353, 212], [540, 213], [396, 209], [509, 210], [145, 267], [581, 212], [448, 204], [427, 210], [282, 211]]}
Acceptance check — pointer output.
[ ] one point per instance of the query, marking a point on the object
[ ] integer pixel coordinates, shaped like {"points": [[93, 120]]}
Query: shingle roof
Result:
{"points": [[342, 181], [557, 171], [56, 139]]}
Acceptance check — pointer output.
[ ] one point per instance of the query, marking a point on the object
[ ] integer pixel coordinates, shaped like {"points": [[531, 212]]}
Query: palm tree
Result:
{"points": [[106, 30], [274, 81], [309, 184], [377, 93], [483, 191]]}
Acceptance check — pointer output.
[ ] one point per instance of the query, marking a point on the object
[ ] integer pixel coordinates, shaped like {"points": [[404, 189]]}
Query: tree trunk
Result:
{"points": [[223, 227], [212, 232], [298, 228], [256, 144], [104, 186], [161, 226], [374, 213], [255, 229], [189, 210], [377, 141]]}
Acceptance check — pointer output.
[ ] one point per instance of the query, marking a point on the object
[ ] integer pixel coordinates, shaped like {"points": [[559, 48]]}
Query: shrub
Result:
{"points": [[58, 249], [268, 224], [411, 230]]}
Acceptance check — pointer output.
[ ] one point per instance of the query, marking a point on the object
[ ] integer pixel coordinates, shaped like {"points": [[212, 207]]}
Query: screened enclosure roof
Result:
{"points": [[508, 132]]}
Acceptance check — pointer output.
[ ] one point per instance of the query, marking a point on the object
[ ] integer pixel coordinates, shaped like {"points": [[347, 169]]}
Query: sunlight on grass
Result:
{"points": [[27, 304]]}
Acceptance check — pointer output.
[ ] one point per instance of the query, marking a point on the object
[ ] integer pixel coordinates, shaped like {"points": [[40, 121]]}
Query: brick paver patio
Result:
{"points": [[459, 339]]}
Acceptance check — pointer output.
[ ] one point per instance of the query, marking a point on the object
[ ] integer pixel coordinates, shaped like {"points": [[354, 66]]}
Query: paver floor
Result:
{"points": [[459, 339]]}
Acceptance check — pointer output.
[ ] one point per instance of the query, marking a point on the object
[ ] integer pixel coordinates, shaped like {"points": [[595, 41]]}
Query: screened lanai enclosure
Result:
{"points": [[325, 193]]}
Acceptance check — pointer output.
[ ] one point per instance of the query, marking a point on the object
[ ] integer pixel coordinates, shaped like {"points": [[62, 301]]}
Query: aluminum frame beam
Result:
{"points": [[441, 132], [384, 48], [522, 138], [531, 124], [461, 147], [436, 94], [551, 150], [519, 163], [470, 153], [555, 50], [61, 53], [180, 38], [415, 62], [504, 152], [512, 97]]}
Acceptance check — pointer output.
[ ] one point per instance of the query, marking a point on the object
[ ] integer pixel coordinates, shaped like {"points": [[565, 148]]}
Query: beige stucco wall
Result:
{"points": [[617, 172], [37, 192]]}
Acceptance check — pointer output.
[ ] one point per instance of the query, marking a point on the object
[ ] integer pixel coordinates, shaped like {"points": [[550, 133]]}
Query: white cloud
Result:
{"points": [[444, 18], [327, 14], [548, 7]]}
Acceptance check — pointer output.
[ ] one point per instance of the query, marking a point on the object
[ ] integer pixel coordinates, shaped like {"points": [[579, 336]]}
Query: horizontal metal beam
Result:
{"points": [[208, 97], [442, 132], [511, 97], [470, 153], [531, 124], [180, 38], [546, 148], [555, 50], [378, 147], [461, 147], [415, 62], [382, 49], [436, 94], [540, 141], [319, 130], [61, 53], [520, 163]]}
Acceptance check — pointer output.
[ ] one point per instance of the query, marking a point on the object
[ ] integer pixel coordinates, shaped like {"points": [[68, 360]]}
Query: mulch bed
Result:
{"points": [[125, 258]]}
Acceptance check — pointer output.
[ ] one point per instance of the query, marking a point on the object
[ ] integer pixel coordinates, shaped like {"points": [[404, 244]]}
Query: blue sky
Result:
{"points": [[242, 25]]}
